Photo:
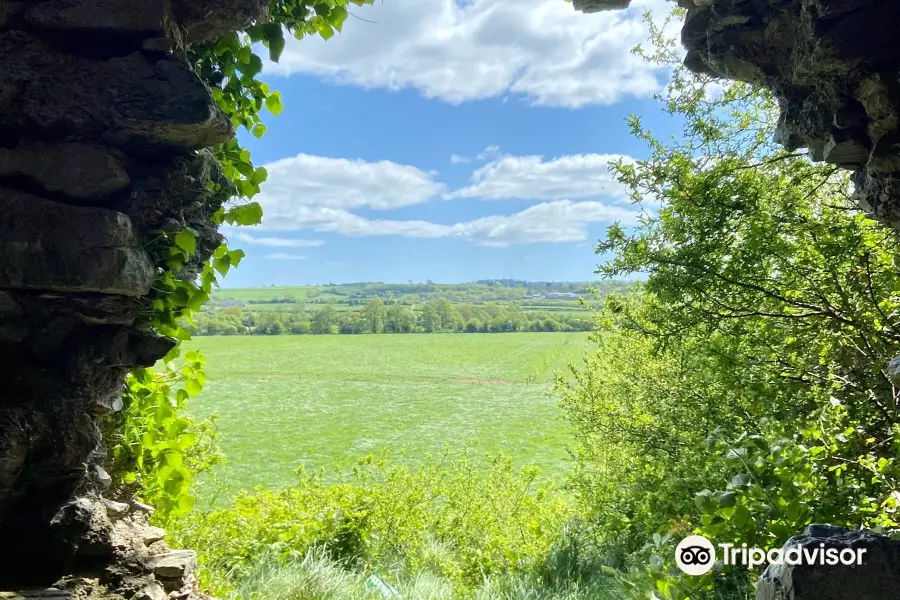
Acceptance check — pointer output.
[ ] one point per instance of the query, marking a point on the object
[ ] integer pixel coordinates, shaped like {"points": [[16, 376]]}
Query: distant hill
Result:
{"points": [[477, 292]]}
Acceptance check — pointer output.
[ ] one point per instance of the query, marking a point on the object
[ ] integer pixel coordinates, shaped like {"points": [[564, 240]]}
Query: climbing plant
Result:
{"points": [[156, 450]]}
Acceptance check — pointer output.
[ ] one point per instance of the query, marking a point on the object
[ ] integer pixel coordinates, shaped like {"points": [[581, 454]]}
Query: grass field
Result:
{"points": [[263, 293], [322, 401]]}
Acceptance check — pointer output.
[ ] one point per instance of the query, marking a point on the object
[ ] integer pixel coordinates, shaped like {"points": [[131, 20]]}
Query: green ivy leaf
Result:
{"points": [[192, 387], [185, 503], [245, 214], [325, 30], [236, 257], [273, 103], [187, 241], [222, 265], [338, 15]]}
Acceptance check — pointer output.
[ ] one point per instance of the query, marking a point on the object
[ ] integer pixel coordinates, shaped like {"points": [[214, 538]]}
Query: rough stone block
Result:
{"points": [[152, 591], [13, 328], [82, 171], [593, 6], [144, 508], [879, 196], [121, 17], [151, 535], [42, 594], [145, 106], [8, 9], [175, 564], [100, 407], [846, 151], [206, 20], [104, 480], [48, 245], [877, 578], [115, 509]]}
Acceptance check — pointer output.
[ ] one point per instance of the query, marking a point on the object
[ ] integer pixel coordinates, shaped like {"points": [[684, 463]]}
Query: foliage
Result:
{"points": [[744, 389], [157, 450], [452, 516], [640, 419], [376, 317], [777, 482]]}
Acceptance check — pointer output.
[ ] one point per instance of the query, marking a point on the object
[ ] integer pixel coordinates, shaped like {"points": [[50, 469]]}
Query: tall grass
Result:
{"points": [[317, 577]]}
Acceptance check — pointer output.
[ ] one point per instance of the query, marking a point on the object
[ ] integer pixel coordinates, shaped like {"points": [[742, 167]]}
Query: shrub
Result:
{"points": [[454, 516], [741, 392]]}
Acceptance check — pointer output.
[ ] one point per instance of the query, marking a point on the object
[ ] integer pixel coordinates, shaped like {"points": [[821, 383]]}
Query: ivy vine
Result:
{"points": [[157, 450]]}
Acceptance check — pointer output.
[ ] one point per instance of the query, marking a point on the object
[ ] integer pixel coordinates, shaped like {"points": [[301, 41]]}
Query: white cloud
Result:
{"points": [[298, 197], [333, 263], [337, 220], [489, 153], [540, 49], [558, 221], [284, 256], [344, 183], [533, 178], [276, 242]]}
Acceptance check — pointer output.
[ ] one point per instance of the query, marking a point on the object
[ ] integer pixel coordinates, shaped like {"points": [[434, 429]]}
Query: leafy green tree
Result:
{"points": [[762, 332], [400, 319], [431, 320], [324, 320], [447, 314], [374, 314]]}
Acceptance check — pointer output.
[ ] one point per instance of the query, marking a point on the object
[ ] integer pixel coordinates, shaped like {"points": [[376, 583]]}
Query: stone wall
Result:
{"points": [[878, 576], [102, 130], [834, 66]]}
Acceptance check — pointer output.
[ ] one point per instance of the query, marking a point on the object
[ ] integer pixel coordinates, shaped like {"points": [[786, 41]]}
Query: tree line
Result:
{"points": [[377, 317]]}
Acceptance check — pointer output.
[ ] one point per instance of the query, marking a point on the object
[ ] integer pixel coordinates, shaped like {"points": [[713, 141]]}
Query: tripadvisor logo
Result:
{"points": [[696, 555]]}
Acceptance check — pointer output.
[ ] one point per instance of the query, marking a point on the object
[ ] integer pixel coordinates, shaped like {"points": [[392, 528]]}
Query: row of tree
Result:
{"points": [[376, 317]]}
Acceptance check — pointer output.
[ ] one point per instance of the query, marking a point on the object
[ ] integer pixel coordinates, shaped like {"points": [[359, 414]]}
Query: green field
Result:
{"points": [[324, 401]]}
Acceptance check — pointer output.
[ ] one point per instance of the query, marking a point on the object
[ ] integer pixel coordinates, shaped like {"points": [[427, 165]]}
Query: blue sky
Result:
{"points": [[449, 142]]}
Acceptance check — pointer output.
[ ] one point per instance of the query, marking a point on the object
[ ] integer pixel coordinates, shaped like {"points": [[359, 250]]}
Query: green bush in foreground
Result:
{"points": [[454, 517], [741, 392]]}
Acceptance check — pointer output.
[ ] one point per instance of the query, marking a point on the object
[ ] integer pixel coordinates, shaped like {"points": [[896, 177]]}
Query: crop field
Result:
{"points": [[264, 293], [325, 401]]}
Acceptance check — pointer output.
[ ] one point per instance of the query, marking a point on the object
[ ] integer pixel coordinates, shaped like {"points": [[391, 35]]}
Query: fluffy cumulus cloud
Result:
{"points": [[533, 178], [542, 50], [557, 221], [281, 216], [307, 193], [342, 183]]}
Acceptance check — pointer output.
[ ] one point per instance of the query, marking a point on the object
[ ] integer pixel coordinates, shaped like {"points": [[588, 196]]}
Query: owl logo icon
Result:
{"points": [[695, 555]]}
